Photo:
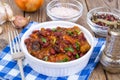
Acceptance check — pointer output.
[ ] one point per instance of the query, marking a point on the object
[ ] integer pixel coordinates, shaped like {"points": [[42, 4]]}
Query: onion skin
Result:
{"points": [[6, 13], [1, 30], [20, 21], [29, 5]]}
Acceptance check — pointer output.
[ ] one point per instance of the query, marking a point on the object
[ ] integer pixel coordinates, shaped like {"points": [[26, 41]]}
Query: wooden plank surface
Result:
{"points": [[41, 16], [83, 19], [98, 73]]}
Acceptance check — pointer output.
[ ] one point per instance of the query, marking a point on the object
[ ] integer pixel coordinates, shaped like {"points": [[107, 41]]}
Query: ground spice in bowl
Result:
{"points": [[64, 11]]}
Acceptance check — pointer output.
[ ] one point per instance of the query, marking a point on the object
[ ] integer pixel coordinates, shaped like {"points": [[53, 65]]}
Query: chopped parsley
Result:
{"points": [[54, 29], [65, 60], [77, 56], [45, 58], [78, 32], [69, 49], [77, 45], [43, 40], [70, 32]]}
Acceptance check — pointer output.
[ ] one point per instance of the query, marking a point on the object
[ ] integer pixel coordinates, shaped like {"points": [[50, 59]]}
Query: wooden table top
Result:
{"points": [[41, 16]]}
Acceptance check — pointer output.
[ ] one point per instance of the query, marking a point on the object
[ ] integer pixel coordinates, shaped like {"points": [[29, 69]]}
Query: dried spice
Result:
{"points": [[105, 19], [61, 11]]}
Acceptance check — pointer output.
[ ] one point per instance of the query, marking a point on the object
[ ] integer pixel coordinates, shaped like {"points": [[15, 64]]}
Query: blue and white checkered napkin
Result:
{"points": [[9, 69]]}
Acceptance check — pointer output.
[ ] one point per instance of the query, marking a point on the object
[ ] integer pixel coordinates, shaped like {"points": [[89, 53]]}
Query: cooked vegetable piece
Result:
{"points": [[84, 48]]}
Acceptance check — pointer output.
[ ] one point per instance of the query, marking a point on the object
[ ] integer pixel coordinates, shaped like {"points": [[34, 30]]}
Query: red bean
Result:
{"points": [[74, 46], [35, 31], [81, 54], [45, 44], [67, 42], [48, 33], [81, 36], [43, 33], [69, 54], [27, 41], [49, 30], [57, 34], [74, 53], [36, 45], [56, 48], [52, 51]]}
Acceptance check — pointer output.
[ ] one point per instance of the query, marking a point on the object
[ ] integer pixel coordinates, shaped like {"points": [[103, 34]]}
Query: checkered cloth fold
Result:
{"points": [[9, 69]]}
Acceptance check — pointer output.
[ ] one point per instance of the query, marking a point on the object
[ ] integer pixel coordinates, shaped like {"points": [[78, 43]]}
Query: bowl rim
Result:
{"points": [[53, 63], [98, 26], [59, 17]]}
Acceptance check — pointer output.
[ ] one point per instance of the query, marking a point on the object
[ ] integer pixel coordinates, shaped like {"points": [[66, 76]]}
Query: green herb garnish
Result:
{"points": [[65, 60], [79, 32], [43, 40], [77, 45], [69, 49], [54, 29], [70, 32], [45, 58], [77, 56]]}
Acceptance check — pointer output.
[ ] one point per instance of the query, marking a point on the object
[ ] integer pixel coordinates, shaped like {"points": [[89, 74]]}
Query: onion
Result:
{"points": [[29, 5]]}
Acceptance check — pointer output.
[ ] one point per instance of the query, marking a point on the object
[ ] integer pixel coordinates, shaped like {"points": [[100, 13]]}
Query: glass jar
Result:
{"points": [[110, 58]]}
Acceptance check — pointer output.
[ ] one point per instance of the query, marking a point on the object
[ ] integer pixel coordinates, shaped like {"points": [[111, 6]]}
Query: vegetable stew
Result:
{"points": [[57, 44]]}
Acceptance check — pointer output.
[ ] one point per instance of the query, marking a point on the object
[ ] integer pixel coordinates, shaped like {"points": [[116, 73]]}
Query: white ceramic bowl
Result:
{"points": [[100, 30], [70, 10], [57, 69]]}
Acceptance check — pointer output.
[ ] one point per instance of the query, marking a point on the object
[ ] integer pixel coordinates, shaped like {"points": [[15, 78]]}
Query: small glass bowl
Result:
{"points": [[97, 29], [70, 10]]}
